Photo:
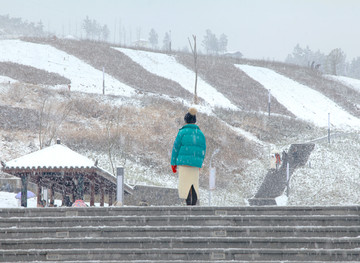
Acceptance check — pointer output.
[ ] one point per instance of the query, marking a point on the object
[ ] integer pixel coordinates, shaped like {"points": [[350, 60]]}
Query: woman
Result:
{"points": [[188, 155]]}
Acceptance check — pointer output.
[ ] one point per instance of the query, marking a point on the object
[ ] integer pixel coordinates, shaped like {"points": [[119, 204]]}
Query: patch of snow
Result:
{"points": [[245, 134], [166, 66], [83, 77], [56, 155], [349, 82], [331, 176], [6, 80], [281, 200], [8, 200], [302, 101], [70, 37]]}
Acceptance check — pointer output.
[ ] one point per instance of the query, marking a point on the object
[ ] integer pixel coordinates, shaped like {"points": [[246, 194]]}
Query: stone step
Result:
{"points": [[190, 261], [226, 220], [200, 254], [177, 210], [182, 242], [262, 201], [180, 231]]}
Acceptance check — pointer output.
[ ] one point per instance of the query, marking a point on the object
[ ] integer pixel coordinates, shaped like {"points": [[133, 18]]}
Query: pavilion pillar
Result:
{"points": [[52, 195], [102, 193], [24, 182], [73, 189], [92, 191], [80, 186], [110, 196], [63, 196], [63, 190], [39, 199]]}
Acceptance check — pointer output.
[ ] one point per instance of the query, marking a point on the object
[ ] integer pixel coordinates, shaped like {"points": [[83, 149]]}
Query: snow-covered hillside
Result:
{"points": [[306, 104], [302, 101], [166, 66], [83, 77]]}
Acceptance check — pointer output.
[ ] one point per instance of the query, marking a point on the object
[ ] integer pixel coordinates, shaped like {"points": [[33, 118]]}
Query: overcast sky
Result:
{"points": [[261, 29]]}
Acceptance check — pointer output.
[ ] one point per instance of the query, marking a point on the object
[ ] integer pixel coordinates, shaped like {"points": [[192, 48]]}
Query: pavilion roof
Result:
{"points": [[58, 157], [55, 156]]}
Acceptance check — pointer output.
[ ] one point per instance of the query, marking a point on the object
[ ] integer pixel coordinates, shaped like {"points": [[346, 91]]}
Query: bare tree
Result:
{"points": [[51, 117], [194, 52], [115, 142], [153, 38], [335, 59]]}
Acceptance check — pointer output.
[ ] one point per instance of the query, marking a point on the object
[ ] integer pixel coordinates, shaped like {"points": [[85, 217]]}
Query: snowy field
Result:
{"points": [[302, 101], [166, 66], [350, 82], [5, 80], [83, 77], [8, 200], [327, 175]]}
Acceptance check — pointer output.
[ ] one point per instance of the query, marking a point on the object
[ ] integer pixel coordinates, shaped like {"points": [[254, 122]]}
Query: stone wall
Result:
{"points": [[152, 195]]}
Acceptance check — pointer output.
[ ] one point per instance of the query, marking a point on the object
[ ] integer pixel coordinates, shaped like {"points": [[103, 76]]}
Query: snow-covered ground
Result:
{"points": [[350, 82], [8, 200], [4, 79], [331, 176], [83, 77], [331, 165], [302, 101], [166, 66]]}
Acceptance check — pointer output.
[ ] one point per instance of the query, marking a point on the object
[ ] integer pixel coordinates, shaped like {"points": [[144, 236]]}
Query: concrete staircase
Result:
{"points": [[275, 181], [180, 234]]}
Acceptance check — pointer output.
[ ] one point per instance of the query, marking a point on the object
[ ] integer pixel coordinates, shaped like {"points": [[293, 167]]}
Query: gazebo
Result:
{"points": [[64, 171]]}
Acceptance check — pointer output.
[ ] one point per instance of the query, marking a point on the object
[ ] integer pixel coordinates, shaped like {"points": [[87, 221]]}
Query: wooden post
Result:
{"points": [[52, 195], [269, 102], [63, 188], [73, 191], [102, 193], [24, 182], [103, 81], [194, 52], [79, 192], [63, 197], [329, 127], [110, 197], [92, 191], [39, 199]]}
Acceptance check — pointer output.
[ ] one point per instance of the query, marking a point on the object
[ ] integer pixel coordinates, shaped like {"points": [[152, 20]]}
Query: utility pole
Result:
{"points": [[194, 51], [287, 180], [329, 127], [170, 42], [103, 81], [269, 102]]}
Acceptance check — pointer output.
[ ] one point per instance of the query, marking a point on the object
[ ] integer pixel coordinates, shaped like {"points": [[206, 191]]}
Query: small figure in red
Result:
{"points": [[278, 160]]}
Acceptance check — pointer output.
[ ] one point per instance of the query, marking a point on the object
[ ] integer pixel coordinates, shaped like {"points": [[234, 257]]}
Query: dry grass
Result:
{"points": [[145, 134], [27, 74], [341, 94]]}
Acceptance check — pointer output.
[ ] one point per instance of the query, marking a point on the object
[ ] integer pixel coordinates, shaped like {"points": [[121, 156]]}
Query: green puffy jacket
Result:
{"points": [[189, 147]]}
